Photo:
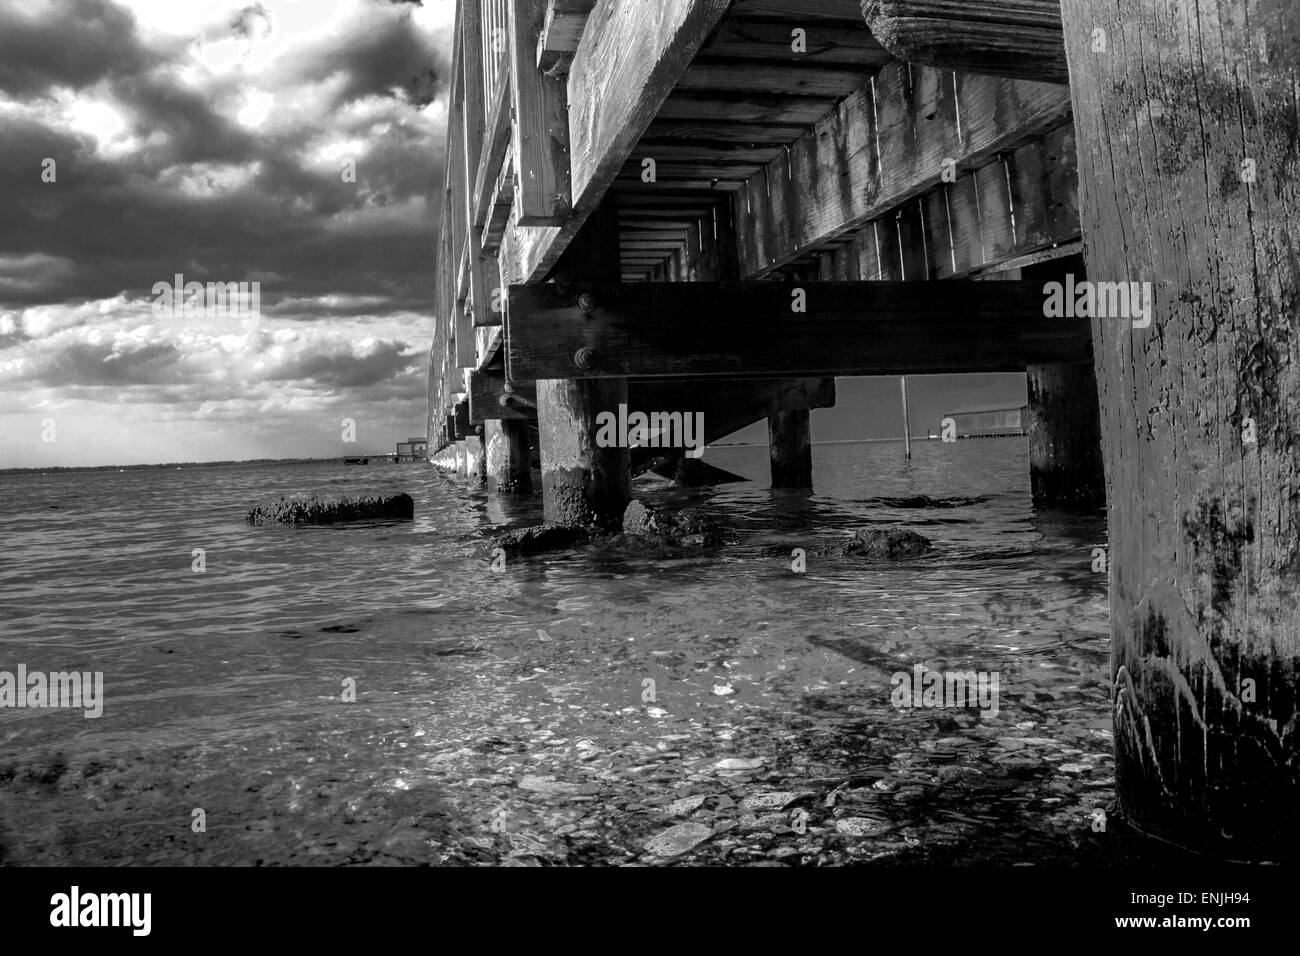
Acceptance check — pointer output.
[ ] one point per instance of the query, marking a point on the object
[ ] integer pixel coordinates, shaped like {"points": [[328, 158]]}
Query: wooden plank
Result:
{"points": [[540, 125], [473, 117], [823, 43], [487, 180], [561, 31], [760, 76], [631, 55], [745, 107], [487, 389], [850, 328], [1015, 38], [811, 11], [499, 208], [723, 130], [881, 146]]}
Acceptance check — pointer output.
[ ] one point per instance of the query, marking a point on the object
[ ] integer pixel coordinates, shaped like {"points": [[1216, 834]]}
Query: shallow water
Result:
{"points": [[501, 717]]}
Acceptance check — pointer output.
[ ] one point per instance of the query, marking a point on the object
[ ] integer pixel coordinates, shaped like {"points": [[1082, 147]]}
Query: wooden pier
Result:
{"points": [[719, 206]]}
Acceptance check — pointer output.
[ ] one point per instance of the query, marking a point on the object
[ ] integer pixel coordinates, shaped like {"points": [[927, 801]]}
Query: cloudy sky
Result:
{"points": [[140, 139]]}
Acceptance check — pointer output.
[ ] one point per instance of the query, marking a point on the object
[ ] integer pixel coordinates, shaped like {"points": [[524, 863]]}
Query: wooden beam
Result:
{"points": [[561, 30], [490, 399], [1016, 38], [540, 124], [725, 328], [895, 138], [492, 164], [631, 55]]}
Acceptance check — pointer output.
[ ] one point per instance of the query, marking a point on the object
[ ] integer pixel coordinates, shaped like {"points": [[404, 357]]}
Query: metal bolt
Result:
{"points": [[587, 303], [503, 401], [584, 358]]}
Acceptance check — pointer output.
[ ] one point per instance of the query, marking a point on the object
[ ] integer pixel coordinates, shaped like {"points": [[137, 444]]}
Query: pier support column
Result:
{"points": [[1188, 138], [508, 468], [1065, 436], [462, 458], [789, 443], [474, 470], [583, 483]]}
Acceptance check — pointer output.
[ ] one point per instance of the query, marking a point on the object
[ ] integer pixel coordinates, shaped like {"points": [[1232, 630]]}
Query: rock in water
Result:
{"points": [[886, 543], [675, 529], [316, 510], [546, 537]]}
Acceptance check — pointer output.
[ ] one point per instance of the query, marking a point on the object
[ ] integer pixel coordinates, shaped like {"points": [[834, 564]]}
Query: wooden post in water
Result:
{"points": [[1064, 436], [907, 423], [789, 443], [508, 469], [1189, 142], [583, 483], [474, 470], [462, 459]]}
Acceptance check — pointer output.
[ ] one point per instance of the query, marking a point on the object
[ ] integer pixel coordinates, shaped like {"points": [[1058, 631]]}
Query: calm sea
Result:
{"points": [[588, 707]]}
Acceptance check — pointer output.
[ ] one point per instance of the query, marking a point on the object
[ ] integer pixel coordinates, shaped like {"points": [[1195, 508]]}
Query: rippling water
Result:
{"points": [[499, 717]]}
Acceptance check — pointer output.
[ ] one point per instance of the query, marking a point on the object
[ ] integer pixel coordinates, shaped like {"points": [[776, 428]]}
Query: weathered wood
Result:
{"points": [[494, 180], [474, 459], [851, 328], [583, 480], [631, 55], [561, 30], [472, 114], [889, 142], [758, 76], [1016, 38], [1064, 436], [821, 43], [540, 125], [789, 442], [490, 399], [507, 457], [799, 11], [1188, 144], [462, 425]]}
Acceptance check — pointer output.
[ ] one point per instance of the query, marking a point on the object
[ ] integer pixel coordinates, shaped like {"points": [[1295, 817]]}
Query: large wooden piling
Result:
{"points": [[474, 459], [1065, 467], [789, 442], [1188, 145], [583, 482], [507, 461]]}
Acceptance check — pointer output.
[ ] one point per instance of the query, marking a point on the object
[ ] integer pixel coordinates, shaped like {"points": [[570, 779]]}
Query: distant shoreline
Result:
{"points": [[253, 462]]}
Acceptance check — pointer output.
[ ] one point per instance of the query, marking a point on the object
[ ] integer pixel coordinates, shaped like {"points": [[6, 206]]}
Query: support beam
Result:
{"points": [[541, 124], [507, 464], [789, 442], [1064, 436], [1017, 38], [626, 65], [562, 29], [887, 143], [462, 459], [1186, 122], [786, 329]]}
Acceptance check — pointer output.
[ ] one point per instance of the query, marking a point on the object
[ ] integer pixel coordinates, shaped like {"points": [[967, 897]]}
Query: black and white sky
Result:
{"points": [[208, 138], [141, 139]]}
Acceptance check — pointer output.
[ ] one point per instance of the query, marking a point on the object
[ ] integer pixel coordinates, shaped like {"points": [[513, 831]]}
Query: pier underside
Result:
{"points": [[717, 206]]}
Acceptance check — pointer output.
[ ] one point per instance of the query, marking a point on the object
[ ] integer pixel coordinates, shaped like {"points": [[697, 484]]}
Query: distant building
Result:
{"points": [[990, 421], [419, 448], [403, 451]]}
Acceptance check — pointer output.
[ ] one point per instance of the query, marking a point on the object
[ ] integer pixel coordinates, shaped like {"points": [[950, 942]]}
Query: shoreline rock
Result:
{"points": [[889, 543], [316, 510]]}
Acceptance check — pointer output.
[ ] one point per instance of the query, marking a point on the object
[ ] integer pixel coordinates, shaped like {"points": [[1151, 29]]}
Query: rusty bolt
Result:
{"points": [[503, 401], [587, 303], [508, 388], [584, 358]]}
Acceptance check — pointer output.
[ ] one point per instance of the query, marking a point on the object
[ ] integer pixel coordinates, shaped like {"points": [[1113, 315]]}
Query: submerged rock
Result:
{"points": [[314, 510], [545, 537], [885, 543], [684, 528]]}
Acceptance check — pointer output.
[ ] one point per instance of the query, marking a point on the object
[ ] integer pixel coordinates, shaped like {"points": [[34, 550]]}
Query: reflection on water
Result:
{"points": [[507, 717]]}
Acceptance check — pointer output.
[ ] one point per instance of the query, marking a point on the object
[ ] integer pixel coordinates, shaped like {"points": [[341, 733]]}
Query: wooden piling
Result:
{"points": [[789, 442], [1064, 436], [582, 482], [1188, 143], [507, 464], [462, 459], [474, 459]]}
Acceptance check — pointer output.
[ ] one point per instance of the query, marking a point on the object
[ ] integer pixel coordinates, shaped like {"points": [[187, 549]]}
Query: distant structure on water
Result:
{"points": [[991, 421]]}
